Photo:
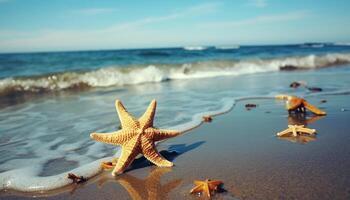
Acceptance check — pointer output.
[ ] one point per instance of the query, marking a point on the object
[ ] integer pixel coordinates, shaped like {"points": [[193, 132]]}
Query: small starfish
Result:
{"points": [[295, 129], [206, 186], [136, 137], [298, 104]]}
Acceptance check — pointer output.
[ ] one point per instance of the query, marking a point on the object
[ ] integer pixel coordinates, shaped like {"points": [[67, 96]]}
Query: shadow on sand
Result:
{"points": [[151, 186]]}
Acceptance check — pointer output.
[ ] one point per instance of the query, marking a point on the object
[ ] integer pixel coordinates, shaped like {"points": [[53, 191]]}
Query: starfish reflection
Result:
{"points": [[148, 188], [302, 119], [302, 139]]}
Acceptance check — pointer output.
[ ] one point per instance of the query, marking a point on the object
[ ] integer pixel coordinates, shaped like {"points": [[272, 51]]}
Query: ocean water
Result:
{"points": [[51, 102]]}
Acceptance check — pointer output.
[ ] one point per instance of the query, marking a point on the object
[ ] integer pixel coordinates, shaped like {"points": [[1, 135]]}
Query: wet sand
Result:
{"points": [[241, 149]]}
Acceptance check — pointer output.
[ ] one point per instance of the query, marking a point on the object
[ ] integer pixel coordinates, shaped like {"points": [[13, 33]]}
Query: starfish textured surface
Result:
{"points": [[206, 186], [294, 103], [295, 130], [136, 137]]}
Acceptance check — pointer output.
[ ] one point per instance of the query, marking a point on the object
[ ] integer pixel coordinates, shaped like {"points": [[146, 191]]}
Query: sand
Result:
{"points": [[241, 149]]}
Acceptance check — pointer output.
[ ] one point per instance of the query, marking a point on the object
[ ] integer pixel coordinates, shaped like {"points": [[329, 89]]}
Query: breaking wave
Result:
{"points": [[118, 76], [312, 45], [195, 48]]}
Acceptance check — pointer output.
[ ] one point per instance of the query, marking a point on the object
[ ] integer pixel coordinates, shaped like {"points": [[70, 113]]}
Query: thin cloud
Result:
{"points": [[93, 11], [193, 11], [130, 33], [4, 1], [263, 19], [258, 3], [204, 8]]}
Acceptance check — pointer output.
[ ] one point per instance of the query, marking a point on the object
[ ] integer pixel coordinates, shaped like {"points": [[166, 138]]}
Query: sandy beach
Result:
{"points": [[241, 149], [174, 100]]}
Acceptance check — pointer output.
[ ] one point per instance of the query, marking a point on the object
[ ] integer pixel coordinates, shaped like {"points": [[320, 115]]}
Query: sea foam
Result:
{"points": [[116, 76], [195, 48]]}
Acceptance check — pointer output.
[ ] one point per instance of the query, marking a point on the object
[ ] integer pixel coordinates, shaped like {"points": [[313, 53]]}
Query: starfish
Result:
{"points": [[136, 137], [148, 188], [206, 186], [295, 129], [298, 104]]}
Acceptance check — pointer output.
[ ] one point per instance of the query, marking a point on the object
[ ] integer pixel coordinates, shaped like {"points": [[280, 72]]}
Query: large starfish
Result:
{"points": [[206, 187], [297, 104], [136, 137], [295, 130]]}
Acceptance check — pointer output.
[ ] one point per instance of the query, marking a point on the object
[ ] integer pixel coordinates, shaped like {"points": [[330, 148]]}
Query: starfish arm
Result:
{"points": [[129, 151], [146, 120], [294, 131], [314, 109], [196, 189], [307, 130], [126, 120], [161, 134], [114, 138], [198, 182], [207, 190], [150, 152], [284, 132], [294, 103]]}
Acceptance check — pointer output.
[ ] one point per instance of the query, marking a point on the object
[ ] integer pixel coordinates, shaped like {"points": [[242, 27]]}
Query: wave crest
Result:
{"points": [[118, 76], [195, 48]]}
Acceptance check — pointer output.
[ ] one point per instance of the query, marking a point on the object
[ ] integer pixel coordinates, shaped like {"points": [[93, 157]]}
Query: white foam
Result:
{"points": [[27, 180], [113, 76], [195, 48], [312, 46]]}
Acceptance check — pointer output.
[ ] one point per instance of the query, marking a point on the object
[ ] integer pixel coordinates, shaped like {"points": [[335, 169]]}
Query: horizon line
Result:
{"points": [[160, 47]]}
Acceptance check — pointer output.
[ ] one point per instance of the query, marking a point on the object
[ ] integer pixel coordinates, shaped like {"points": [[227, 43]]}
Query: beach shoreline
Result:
{"points": [[257, 165]]}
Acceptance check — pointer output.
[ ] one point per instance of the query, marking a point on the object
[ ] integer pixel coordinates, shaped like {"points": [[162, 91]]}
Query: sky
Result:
{"points": [[59, 25]]}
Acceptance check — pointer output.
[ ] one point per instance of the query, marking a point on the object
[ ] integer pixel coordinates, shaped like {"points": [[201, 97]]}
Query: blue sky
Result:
{"points": [[56, 25]]}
